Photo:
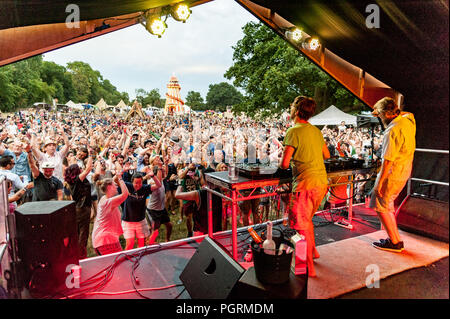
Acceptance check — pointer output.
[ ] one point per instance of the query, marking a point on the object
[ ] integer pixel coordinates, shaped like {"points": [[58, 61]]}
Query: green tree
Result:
{"points": [[272, 74], [125, 97], [221, 95], [82, 79], [10, 93], [153, 98], [26, 74], [195, 101], [34, 80], [140, 95], [57, 76], [90, 86]]}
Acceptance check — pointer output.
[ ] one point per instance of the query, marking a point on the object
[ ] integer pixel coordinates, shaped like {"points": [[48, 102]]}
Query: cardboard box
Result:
{"points": [[298, 265]]}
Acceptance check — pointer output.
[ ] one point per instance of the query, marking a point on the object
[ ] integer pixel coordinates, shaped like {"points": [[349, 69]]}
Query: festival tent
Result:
{"points": [[121, 107], [101, 105], [76, 106], [332, 116], [136, 110]]}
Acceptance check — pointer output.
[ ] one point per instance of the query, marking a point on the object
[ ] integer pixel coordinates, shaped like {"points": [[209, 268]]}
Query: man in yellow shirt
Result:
{"points": [[305, 150], [399, 144]]}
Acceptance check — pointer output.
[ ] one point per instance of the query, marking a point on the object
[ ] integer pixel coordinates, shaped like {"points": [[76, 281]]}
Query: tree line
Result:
{"points": [[35, 80], [266, 75]]}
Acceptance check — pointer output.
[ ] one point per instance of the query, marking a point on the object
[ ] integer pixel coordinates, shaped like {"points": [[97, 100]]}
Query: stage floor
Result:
{"points": [[158, 267]]}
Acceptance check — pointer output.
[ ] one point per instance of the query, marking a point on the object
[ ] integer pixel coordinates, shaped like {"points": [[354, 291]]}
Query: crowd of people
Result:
{"points": [[128, 178]]}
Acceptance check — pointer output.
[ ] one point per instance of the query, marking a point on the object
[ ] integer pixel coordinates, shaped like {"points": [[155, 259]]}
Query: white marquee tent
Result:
{"points": [[332, 116], [73, 105]]}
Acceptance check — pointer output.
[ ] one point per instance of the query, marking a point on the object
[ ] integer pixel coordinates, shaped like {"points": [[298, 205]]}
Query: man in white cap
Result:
{"points": [[46, 186], [51, 155]]}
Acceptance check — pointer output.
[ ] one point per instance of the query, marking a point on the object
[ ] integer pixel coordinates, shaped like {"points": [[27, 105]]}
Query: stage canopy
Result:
{"points": [[395, 48], [405, 56], [333, 116]]}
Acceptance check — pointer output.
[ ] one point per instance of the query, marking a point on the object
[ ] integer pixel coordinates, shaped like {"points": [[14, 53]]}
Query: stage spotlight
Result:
{"points": [[311, 44], [181, 12], [156, 26], [294, 35]]}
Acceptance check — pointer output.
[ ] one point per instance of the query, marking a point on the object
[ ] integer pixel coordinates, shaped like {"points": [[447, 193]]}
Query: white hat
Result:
{"points": [[48, 165], [49, 141]]}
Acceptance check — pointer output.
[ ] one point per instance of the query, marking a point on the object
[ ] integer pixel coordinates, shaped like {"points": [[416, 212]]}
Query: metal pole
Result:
{"points": [[234, 224], [210, 217]]}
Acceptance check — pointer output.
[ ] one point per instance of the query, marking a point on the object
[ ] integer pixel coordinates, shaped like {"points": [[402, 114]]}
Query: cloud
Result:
{"points": [[198, 51], [201, 69]]}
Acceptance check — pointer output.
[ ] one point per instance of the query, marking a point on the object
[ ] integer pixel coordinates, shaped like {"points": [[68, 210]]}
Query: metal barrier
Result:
{"points": [[413, 179], [4, 238]]}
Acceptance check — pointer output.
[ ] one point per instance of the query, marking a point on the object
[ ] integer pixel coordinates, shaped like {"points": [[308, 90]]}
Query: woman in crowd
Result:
{"points": [[107, 225], [80, 191]]}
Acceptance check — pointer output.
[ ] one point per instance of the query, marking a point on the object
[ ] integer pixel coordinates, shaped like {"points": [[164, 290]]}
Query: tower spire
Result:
{"points": [[174, 103]]}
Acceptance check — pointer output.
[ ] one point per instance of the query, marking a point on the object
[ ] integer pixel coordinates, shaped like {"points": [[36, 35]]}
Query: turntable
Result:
{"points": [[343, 163], [261, 171]]}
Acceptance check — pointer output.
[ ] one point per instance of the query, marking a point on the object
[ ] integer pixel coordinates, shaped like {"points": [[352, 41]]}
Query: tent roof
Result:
{"points": [[121, 105], [101, 104], [333, 116]]}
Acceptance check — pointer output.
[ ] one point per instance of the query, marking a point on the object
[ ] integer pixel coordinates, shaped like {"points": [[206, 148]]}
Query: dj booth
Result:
{"points": [[252, 177]]}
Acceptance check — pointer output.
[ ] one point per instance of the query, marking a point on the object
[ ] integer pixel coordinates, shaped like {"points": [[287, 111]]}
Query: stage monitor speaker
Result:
{"points": [[211, 273], [47, 242], [424, 216]]}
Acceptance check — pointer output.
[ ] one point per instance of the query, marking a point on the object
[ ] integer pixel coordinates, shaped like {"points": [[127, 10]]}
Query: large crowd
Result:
{"points": [[129, 177]]}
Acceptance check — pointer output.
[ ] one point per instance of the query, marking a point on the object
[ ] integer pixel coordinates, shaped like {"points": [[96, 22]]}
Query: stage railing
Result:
{"points": [[4, 207], [413, 179]]}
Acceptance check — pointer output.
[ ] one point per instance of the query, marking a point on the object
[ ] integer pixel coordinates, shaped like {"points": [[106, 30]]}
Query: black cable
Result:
{"points": [[178, 296], [101, 280]]}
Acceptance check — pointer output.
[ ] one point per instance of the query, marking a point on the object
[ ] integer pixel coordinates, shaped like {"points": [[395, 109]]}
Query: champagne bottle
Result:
{"points": [[254, 235], [269, 244]]}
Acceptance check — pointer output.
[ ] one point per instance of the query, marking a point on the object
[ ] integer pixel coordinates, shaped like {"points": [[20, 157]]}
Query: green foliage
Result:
{"points": [[195, 101], [221, 95], [152, 98], [33, 80], [272, 74]]}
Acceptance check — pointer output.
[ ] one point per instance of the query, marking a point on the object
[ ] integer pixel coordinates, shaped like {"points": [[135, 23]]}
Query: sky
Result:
{"points": [[197, 52]]}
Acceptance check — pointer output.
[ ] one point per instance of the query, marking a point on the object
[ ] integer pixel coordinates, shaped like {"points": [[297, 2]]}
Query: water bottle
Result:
{"points": [[232, 171]]}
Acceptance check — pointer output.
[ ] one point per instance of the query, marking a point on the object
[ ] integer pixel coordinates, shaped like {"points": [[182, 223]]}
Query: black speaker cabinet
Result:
{"points": [[424, 216], [47, 242], [211, 273]]}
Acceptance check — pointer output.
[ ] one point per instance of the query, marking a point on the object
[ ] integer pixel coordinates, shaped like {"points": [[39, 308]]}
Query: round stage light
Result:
{"points": [[156, 26], [294, 35], [312, 44], [181, 12], [297, 35]]}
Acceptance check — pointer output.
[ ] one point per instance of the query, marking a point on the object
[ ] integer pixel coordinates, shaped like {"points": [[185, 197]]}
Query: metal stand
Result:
{"points": [[236, 187], [347, 223]]}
